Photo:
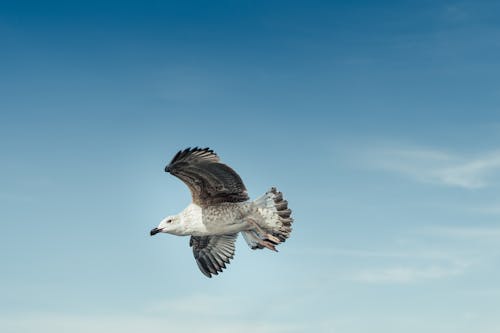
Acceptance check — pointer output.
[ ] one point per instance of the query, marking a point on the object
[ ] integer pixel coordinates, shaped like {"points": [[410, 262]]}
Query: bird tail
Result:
{"points": [[273, 218]]}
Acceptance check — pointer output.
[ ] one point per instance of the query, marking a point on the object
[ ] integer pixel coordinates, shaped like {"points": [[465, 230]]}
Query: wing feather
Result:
{"points": [[212, 253], [210, 181]]}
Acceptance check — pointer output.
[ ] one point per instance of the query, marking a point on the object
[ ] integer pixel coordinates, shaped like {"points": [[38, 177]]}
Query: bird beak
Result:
{"points": [[154, 231]]}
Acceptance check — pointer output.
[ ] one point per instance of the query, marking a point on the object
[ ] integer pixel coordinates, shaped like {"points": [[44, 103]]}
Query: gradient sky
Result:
{"points": [[379, 121]]}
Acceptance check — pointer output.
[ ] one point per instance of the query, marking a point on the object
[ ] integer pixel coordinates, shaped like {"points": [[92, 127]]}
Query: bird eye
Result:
{"points": [[169, 221]]}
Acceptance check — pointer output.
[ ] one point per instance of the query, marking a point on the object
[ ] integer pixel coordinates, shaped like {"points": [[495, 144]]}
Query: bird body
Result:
{"points": [[221, 209], [213, 220]]}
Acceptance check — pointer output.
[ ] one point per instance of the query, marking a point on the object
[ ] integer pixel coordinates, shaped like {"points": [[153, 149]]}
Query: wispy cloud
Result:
{"points": [[376, 253], [473, 173], [198, 305], [439, 167], [192, 313], [476, 233], [405, 274], [59, 323], [438, 265], [397, 265], [410, 266]]}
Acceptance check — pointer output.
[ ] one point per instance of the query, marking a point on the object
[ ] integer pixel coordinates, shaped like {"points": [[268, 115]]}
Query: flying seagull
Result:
{"points": [[221, 209]]}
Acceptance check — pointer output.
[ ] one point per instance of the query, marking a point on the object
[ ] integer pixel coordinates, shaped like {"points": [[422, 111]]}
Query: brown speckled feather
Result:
{"points": [[210, 181]]}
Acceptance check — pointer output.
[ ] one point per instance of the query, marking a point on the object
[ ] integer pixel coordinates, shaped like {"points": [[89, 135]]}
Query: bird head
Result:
{"points": [[169, 225]]}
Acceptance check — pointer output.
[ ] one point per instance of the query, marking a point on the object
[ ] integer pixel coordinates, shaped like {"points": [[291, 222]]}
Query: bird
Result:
{"points": [[221, 209]]}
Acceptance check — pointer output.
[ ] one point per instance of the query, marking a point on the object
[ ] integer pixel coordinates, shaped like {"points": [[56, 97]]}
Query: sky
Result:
{"points": [[379, 121]]}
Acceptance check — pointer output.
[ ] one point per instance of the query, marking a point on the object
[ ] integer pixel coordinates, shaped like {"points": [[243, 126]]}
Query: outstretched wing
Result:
{"points": [[210, 181], [212, 253]]}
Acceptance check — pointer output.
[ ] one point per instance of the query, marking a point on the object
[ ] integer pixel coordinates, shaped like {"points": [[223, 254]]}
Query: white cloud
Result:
{"points": [[397, 265], [439, 167], [477, 233], [195, 313], [374, 254], [473, 173], [198, 305], [132, 323], [405, 274]]}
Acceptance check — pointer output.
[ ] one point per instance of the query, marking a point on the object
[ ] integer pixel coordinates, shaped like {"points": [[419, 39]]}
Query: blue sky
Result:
{"points": [[378, 120]]}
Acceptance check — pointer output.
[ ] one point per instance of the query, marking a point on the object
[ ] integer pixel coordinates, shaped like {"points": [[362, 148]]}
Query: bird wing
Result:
{"points": [[212, 253], [210, 181]]}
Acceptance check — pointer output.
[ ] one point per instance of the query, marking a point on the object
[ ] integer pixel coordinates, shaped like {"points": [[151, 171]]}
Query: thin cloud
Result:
{"points": [[198, 305], [403, 274], [213, 314], [476, 233], [375, 253], [398, 266], [60, 322], [439, 167]]}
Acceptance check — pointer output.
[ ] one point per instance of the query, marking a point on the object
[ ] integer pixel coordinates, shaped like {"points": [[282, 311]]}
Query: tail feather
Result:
{"points": [[275, 219], [281, 205]]}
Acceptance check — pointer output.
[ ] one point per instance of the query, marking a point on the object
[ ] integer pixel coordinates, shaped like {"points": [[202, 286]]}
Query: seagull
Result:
{"points": [[221, 209]]}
